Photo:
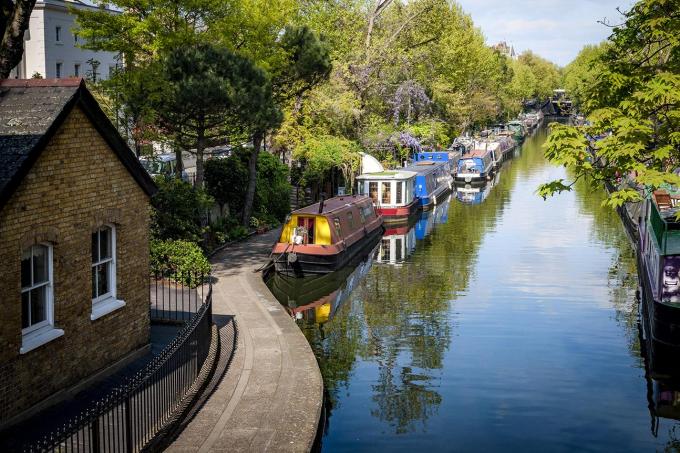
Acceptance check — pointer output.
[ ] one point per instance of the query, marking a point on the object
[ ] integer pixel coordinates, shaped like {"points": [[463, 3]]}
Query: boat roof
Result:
{"points": [[476, 153], [332, 204], [388, 175], [425, 166]]}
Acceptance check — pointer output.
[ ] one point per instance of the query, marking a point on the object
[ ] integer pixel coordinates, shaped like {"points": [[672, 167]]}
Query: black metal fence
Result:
{"points": [[131, 416], [177, 296]]}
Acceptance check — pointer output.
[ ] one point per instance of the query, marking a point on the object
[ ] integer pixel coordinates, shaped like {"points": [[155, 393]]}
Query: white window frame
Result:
{"points": [[38, 334], [105, 303]]}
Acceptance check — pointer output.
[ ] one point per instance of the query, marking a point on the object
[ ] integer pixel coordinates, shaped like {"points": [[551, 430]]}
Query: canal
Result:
{"points": [[502, 322]]}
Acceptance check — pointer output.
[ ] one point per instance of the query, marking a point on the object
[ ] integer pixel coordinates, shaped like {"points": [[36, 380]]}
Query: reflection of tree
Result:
{"points": [[399, 317], [622, 278]]}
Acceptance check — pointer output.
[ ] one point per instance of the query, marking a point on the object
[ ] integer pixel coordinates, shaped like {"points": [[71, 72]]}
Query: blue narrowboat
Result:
{"points": [[433, 181], [476, 166]]}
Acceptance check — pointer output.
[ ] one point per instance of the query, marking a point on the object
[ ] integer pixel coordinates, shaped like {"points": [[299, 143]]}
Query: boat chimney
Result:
{"points": [[321, 204]]}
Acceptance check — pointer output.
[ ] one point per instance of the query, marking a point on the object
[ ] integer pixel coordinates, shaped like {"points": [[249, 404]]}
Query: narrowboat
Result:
{"points": [[659, 271], [433, 181], [325, 236], [451, 156], [393, 193], [518, 130], [397, 244], [476, 166]]}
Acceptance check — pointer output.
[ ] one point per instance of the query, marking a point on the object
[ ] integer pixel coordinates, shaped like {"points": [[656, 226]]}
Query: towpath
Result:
{"points": [[270, 397]]}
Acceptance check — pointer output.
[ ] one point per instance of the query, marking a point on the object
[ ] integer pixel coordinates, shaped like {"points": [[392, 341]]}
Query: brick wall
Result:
{"points": [[76, 185]]}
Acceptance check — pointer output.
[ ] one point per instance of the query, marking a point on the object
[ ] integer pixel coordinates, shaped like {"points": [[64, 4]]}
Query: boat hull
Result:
{"points": [[400, 214], [435, 198], [661, 326], [316, 264]]}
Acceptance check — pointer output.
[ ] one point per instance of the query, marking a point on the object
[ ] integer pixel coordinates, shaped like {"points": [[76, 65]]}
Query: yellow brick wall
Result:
{"points": [[76, 185]]}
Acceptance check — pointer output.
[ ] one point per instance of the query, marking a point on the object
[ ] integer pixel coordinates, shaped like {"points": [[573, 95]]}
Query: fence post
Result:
{"points": [[94, 434], [128, 425]]}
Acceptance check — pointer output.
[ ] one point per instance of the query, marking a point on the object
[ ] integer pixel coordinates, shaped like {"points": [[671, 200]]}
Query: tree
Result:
{"points": [[307, 64], [14, 18], [635, 101], [209, 94]]}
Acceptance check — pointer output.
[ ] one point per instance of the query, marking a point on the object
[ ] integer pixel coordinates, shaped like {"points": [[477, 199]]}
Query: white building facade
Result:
{"points": [[51, 46]]}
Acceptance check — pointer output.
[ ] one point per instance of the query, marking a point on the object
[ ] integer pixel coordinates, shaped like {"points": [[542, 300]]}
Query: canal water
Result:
{"points": [[500, 322]]}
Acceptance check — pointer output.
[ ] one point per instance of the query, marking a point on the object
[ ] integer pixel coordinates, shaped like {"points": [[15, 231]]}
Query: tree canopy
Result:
{"points": [[633, 101]]}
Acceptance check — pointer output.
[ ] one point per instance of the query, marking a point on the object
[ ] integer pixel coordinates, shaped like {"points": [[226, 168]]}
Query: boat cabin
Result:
{"points": [[388, 189], [433, 180], [476, 165]]}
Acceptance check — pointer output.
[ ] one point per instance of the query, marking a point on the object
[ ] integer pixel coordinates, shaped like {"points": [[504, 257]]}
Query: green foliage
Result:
{"points": [[179, 210], [580, 76], [632, 91], [225, 180], [547, 75], [182, 260], [321, 154], [273, 189]]}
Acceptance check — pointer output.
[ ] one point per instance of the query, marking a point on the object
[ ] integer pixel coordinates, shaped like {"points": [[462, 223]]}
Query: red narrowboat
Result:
{"points": [[325, 236], [392, 192]]}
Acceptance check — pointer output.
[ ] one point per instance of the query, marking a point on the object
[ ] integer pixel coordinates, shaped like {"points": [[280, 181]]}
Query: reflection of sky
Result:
{"points": [[537, 360]]}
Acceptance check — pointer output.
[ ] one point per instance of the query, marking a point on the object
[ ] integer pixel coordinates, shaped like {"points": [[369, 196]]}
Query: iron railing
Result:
{"points": [[176, 296], [131, 416]]}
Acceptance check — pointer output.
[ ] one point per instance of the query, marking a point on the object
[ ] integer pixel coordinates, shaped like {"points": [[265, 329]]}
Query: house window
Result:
{"points": [[104, 272], [59, 70], [57, 34], [103, 269], [76, 70], [37, 302], [36, 287]]}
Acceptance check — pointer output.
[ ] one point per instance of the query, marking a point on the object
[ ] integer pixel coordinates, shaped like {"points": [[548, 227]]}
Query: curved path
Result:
{"points": [[270, 397]]}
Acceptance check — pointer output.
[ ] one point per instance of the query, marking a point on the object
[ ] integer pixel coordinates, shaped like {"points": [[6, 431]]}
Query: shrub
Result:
{"points": [[180, 210], [182, 261]]}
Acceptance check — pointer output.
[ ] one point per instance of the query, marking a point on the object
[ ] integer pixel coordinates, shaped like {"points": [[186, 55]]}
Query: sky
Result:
{"points": [[555, 29]]}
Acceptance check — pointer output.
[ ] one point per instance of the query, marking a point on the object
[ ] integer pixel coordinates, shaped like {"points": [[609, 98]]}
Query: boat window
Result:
{"points": [[373, 190], [386, 192], [385, 249], [362, 216], [350, 220], [400, 192], [336, 223], [398, 252]]}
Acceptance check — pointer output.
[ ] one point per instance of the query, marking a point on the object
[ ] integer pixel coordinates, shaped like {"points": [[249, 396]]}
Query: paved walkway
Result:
{"points": [[270, 398]]}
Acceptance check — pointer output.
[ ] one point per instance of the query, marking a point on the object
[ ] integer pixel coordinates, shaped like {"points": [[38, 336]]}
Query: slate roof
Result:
{"points": [[32, 110]]}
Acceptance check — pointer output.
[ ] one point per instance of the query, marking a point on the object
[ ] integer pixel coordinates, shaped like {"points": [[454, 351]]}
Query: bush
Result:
{"points": [[180, 210], [181, 260]]}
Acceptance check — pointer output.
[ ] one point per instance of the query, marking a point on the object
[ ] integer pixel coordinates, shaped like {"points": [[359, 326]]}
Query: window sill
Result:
{"points": [[38, 338], [104, 307]]}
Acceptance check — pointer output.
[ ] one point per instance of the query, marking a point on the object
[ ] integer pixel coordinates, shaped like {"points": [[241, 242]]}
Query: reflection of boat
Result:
{"points": [[662, 373], [469, 194], [317, 297], [659, 271], [324, 237], [433, 181], [397, 244], [392, 192], [428, 219]]}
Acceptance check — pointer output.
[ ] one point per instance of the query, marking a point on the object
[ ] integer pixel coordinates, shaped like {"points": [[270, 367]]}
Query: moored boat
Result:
{"points": [[476, 166], [433, 181], [659, 271], [325, 236], [393, 193]]}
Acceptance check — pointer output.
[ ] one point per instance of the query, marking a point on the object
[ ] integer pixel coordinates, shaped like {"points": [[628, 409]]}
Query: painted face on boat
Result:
{"points": [[671, 280]]}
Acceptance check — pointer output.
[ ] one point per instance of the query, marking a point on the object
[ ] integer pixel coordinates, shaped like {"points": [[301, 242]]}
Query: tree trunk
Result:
{"points": [[179, 163], [13, 24], [200, 147], [252, 179]]}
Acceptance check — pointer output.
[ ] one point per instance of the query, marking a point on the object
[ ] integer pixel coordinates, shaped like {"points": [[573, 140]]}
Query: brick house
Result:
{"points": [[74, 231]]}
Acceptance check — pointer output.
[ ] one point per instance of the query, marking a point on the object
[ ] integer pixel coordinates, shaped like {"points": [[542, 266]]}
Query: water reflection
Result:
{"points": [[475, 194], [510, 324]]}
